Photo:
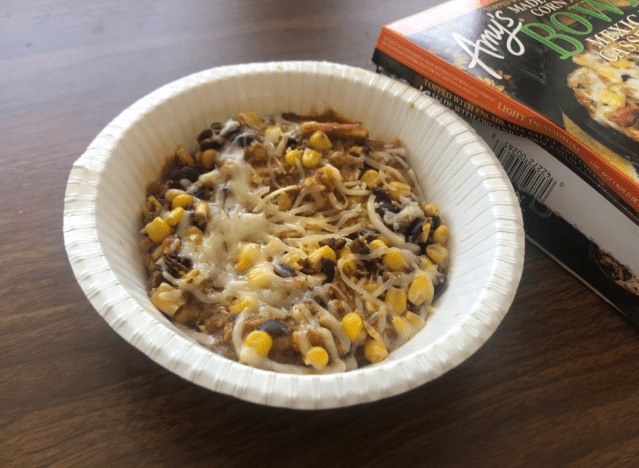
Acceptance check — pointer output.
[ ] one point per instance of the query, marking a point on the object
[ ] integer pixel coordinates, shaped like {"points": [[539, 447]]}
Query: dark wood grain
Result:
{"points": [[556, 385]]}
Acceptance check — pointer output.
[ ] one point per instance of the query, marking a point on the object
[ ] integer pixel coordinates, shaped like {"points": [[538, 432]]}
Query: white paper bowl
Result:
{"points": [[457, 170]]}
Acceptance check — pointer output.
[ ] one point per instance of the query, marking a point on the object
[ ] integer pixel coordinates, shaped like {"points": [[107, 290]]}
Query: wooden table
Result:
{"points": [[556, 385]]}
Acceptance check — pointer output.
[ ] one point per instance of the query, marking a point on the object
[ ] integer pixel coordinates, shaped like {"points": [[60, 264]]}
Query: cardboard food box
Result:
{"points": [[553, 87]]}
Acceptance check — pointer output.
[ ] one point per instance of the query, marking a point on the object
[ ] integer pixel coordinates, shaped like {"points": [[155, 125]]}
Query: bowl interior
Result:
{"points": [[455, 169]]}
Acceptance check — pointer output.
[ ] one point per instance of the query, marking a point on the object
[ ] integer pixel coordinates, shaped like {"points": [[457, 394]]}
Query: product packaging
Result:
{"points": [[553, 88]]}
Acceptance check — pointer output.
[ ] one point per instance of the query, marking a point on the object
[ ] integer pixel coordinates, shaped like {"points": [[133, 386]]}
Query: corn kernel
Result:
{"points": [[259, 277], [394, 260], [260, 341], [195, 277], [400, 326], [157, 230], [292, 156], [201, 212], [241, 304], [293, 259], [273, 134], [311, 158], [348, 265], [172, 193], [248, 255], [441, 234], [310, 246], [378, 244], [425, 263], [437, 253], [184, 156], [208, 158], [194, 235], [183, 200], [314, 224], [430, 209], [396, 298], [167, 299], [249, 118], [610, 73], [421, 290], [284, 201], [332, 175], [315, 258], [371, 178], [375, 351], [332, 172], [316, 357], [370, 287], [174, 216], [352, 324], [612, 99], [193, 231], [415, 320], [319, 141], [398, 189], [425, 232]]}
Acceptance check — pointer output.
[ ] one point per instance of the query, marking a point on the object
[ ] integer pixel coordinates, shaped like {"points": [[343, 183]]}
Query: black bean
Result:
{"points": [[307, 269], [174, 266], [175, 175], [189, 173], [384, 207], [273, 327], [439, 285], [335, 244], [358, 246], [381, 196], [330, 242], [205, 135], [435, 223], [373, 267], [414, 229], [186, 261], [339, 244], [155, 279], [328, 267], [283, 270], [210, 144], [366, 148]]}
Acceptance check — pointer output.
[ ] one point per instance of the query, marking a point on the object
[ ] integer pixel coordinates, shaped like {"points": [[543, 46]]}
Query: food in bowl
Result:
{"points": [[294, 244]]}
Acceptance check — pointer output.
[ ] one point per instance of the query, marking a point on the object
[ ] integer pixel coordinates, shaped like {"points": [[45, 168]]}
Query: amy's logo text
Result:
{"points": [[500, 26]]}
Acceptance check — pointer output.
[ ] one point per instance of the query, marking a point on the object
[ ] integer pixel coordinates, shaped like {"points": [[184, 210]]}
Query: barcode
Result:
{"points": [[525, 174]]}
